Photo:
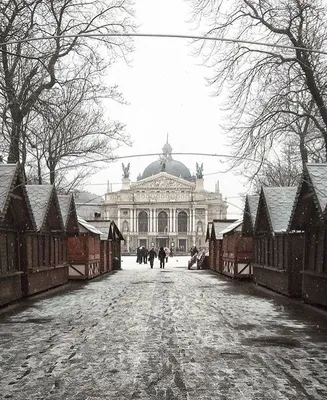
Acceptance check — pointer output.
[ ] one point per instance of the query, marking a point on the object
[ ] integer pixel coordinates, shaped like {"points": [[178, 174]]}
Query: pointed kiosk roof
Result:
{"points": [[250, 214], [88, 227], [68, 213], [218, 225], [12, 186], [45, 207], [311, 198], [236, 225], [274, 209], [108, 229]]}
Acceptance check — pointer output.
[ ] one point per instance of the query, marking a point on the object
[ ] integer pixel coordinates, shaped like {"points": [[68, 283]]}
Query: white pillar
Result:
{"points": [[193, 220], [136, 221], [130, 224], [174, 219], [205, 220], [118, 219], [155, 220]]}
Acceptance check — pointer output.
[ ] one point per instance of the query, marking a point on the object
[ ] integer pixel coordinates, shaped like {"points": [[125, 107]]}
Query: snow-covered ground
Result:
{"points": [[163, 334]]}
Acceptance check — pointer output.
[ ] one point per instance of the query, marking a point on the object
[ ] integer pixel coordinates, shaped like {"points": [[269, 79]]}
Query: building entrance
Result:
{"points": [[162, 242]]}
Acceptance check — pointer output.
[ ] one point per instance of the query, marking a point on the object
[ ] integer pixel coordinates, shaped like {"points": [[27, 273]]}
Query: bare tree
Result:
{"points": [[29, 68], [284, 170], [69, 127], [274, 93]]}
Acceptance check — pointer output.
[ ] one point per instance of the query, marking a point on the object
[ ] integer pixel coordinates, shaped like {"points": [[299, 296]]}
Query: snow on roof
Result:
{"points": [[279, 201], [219, 226], [318, 176], [88, 226], [104, 227], [253, 202], [64, 203], [232, 226], [39, 196], [7, 174]]}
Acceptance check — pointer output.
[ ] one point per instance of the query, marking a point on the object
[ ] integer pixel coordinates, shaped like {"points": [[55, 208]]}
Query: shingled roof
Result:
{"points": [[250, 213], [310, 205], [103, 227], [40, 198], [279, 203], [68, 212], [11, 182], [218, 226], [89, 227], [7, 175], [233, 226], [318, 177]]}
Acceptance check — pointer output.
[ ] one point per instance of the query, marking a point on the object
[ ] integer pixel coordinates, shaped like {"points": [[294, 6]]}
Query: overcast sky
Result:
{"points": [[166, 90]]}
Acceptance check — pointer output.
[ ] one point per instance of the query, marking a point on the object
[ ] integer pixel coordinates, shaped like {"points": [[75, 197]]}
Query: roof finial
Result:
{"points": [[167, 149], [167, 138]]}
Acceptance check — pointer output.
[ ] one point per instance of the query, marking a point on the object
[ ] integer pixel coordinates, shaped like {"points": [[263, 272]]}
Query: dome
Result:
{"points": [[173, 167], [167, 164]]}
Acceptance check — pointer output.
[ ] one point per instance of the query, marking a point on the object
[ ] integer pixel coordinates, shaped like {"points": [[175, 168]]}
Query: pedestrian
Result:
{"points": [[167, 251], [162, 257], [139, 254], [145, 255], [171, 254], [193, 251], [151, 256]]}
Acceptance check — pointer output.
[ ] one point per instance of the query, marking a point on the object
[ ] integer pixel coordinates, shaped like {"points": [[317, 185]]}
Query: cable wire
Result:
{"points": [[165, 36]]}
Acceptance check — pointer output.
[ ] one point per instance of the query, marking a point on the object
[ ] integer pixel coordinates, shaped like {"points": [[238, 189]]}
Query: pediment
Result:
{"points": [[163, 181]]}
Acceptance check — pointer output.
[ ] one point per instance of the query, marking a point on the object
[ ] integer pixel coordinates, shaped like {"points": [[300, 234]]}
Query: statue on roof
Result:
{"points": [[199, 171], [167, 150], [163, 162], [125, 170]]}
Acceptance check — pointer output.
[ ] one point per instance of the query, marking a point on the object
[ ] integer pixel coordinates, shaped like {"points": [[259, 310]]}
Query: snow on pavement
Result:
{"points": [[163, 334]]}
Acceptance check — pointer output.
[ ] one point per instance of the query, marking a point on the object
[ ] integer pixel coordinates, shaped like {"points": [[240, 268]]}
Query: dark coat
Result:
{"points": [[152, 254], [162, 254]]}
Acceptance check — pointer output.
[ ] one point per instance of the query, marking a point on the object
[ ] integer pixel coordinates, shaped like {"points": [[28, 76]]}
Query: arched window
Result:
{"points": [[143, 221], [162, 222], [199, 227], [125, 226], [182, 222]]}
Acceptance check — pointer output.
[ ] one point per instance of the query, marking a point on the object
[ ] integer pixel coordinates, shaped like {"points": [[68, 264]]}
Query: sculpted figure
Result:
{"points": [[125, 170], [199, 171]]}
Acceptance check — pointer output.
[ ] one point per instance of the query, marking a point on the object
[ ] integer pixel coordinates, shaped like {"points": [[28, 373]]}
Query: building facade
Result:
{"points": [[166, 206]]}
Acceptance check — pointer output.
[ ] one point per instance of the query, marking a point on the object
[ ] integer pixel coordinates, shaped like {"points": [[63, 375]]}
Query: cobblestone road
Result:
{"points": [[163, 334]]}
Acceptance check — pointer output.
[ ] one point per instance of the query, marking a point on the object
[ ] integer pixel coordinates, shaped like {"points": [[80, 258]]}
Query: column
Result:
{"points": [[155, 220], [136, 221], [118, 219], [174, 219], [205, 220], [171, 220], [193, 220], [130, 224]]}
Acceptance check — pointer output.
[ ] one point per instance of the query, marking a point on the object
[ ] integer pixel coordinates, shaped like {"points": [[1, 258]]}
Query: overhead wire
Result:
{"points": [[165, 36]]}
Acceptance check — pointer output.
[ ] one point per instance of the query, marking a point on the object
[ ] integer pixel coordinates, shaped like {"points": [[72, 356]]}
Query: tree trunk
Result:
{"points": [[14, 147]]}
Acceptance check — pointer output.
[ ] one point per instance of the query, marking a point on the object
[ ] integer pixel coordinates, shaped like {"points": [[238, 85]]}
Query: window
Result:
{"points": [[162, 222], [182, 222], [125, 226], [143, 221]]}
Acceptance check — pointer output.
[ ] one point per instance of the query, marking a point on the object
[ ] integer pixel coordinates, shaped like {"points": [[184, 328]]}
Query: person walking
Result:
{"points": [[151, 256], [167, 251], [145, 255], [139, 255], [162, 257]]}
